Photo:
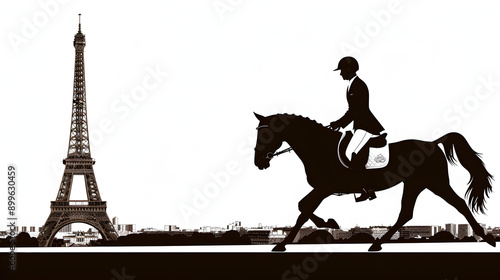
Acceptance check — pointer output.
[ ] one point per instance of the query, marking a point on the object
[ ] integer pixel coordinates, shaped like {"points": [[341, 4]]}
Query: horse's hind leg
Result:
{"points": [[319, 222], [410, 194], [447, 193]]}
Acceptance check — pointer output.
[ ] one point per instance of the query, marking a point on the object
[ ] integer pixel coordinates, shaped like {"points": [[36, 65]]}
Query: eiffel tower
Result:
{"points": [[64, 211]]}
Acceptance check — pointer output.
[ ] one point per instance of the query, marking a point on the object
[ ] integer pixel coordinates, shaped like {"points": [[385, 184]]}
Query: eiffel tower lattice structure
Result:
{"points": [[64, 211]]}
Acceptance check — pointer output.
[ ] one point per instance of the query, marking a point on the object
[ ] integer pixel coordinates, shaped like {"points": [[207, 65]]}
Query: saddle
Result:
{"points": [[375, 153]]}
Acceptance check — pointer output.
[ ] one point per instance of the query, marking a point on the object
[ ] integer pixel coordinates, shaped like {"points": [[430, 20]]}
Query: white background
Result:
{"points": [[422, 62]]}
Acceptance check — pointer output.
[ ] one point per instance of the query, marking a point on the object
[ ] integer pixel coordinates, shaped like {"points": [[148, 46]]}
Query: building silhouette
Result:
{"points": [[408, 232], [378, 232], [451, 228], [123, 229], [67, 228], [80, 238], [341, 234], [234, 226], [494, 231], [275, 235], [356, 230], [464, 230], [258, 236], [278, 234], [171, 228]]}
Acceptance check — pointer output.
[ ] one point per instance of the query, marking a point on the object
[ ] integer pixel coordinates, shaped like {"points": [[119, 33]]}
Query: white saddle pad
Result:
{"points": [[378, 158]]}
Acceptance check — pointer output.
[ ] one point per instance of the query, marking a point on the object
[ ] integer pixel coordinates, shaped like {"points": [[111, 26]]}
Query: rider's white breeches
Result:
{"points": [[358, 141]]}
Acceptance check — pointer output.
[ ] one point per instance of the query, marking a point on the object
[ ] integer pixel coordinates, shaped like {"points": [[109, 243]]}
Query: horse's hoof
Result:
{"points": [[375, 247], [332, 224], [490, 240], [279, 248]]}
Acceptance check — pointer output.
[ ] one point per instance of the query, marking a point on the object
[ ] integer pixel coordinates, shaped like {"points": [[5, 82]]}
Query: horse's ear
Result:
{"points": [[259, 117]]}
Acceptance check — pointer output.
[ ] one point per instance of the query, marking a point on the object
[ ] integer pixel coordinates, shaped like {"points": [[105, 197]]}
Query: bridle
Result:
{"points": [[270, 155]]}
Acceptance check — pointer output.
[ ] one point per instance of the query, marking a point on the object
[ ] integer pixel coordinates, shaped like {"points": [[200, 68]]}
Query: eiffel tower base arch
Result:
{"points": [[64, 213]]}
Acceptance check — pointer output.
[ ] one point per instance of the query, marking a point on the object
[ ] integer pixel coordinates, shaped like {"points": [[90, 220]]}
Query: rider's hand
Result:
{"points": [[334, 126]]}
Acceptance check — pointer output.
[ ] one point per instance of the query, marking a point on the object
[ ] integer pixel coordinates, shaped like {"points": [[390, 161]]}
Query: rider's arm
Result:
{"points": [[358, 103], [344, 120]]}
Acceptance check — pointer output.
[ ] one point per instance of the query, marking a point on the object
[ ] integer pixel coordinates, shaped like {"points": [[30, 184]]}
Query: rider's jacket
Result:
{"points": [[359, 111]]}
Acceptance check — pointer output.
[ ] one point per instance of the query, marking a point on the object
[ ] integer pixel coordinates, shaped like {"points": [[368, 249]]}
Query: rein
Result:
{"points": [[271, 155]]}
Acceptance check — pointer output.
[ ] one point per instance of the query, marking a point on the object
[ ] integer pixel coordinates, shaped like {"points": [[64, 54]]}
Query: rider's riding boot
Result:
{"points": [[358, 166], [366, 194]]}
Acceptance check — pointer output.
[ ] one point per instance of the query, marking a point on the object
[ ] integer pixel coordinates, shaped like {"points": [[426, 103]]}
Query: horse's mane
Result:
{"points": [[306, 125]]}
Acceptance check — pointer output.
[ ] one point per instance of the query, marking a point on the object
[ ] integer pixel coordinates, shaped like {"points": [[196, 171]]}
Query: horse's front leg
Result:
{"points": [[307, 206], [303, 217]]}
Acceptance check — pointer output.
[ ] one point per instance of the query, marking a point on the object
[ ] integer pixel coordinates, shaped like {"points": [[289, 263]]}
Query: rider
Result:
{"points": [[365, 125]]}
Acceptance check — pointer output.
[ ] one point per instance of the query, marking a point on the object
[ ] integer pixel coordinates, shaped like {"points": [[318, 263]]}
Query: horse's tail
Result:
{"points": [[480, 178]]}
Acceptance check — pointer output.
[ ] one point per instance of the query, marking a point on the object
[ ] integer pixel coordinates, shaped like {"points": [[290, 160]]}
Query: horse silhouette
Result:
{"points": [[418, 164]]}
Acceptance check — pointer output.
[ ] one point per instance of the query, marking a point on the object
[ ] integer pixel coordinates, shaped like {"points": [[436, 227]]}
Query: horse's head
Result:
{"points": [[270, 133]]}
